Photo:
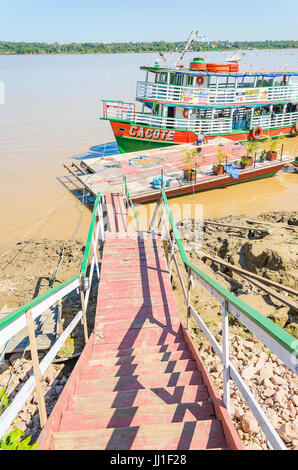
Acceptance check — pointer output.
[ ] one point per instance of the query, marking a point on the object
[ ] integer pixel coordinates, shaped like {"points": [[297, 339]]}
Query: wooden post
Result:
{"points": [[282, 151], [36, 370]]}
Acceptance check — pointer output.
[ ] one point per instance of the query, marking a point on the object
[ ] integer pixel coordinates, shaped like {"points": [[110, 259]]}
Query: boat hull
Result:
{"points": [[215, 182], [131, 137]]}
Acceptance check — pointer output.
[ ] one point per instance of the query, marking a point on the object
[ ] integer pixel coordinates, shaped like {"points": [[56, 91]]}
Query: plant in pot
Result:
{"points": [[192, 168], [263, 156], [244, 161], [251, 147], [272, 152], [218, 168]]}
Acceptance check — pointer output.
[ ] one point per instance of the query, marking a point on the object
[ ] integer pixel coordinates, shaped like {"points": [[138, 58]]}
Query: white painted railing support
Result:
{"points": [[189, 286], [226, 354], [84, 308]]}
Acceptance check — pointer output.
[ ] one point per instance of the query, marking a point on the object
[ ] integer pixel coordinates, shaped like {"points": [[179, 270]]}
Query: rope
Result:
{"points": [[133, 161]]}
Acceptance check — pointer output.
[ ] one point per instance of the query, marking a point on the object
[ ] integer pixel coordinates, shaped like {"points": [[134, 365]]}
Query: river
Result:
{"points": [[51, 115]]}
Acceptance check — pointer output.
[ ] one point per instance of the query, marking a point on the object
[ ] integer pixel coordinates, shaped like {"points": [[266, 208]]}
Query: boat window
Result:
{"points": [[212, 80], [163, 77], [172, 78], [268, 81], [190, 80], [179, 80], [291, 108]]}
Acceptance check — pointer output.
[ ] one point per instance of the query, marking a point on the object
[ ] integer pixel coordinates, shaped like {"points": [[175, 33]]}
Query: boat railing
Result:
{"points": [[26, 316], [278, 341], [274, 120], [214, 95]]}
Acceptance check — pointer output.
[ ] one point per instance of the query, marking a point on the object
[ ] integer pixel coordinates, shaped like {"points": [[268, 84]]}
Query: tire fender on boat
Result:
{"points": [[186, 113], [295, 127], [257, 133], [200, 80]]}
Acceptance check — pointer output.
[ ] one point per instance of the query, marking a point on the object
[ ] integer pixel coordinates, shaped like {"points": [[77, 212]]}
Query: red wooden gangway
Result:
{"points": [[139, 383]]}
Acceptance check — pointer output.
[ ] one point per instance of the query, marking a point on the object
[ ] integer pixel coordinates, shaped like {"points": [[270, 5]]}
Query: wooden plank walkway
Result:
{"points": [[138, 384]]}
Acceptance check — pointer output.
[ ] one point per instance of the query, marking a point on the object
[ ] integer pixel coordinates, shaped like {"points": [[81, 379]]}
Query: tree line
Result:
{"points": [[154, 46]]}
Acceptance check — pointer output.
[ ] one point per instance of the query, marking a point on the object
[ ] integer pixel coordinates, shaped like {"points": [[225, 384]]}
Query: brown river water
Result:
{"points": [[51, 115]]}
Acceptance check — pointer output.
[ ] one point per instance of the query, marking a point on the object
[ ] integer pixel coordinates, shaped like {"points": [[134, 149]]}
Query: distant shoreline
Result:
{"points": [[26, 48]]}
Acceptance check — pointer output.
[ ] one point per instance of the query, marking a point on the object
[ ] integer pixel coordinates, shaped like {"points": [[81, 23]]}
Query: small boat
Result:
{"points": [[213, 99]]}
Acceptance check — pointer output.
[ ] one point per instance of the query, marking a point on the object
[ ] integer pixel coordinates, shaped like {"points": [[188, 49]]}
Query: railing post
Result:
{"points": [[189, 285], [84, 311], [36, 370], [226, 355], [172, 254]]}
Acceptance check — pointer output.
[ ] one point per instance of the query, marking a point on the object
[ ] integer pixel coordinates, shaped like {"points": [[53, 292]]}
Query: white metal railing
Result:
{"points": [[202, 95], [205, 126], [25, 316], [283, 345], [277, 120]]}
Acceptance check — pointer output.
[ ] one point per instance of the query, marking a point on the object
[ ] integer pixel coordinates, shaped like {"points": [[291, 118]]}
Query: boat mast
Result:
{"points": [[188, 43]]}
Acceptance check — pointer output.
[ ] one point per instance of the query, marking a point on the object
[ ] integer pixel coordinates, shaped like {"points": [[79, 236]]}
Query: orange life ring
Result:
{"points": [[200, 80], [257, 133], [186, 113]]}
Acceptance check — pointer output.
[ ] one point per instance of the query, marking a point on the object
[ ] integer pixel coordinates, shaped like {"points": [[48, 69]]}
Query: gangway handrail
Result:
{"points": [[281, 343], [130, 203], [25, 315]]}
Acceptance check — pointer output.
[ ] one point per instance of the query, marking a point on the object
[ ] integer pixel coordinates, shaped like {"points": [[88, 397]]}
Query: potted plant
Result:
{"points": [[251, 147], [263, 156], [192, 168], [272, 152], [244, 161], [218, 168]]}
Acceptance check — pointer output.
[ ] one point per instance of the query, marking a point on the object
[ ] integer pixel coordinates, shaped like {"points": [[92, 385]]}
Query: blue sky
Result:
{"points": [[138, 20]]}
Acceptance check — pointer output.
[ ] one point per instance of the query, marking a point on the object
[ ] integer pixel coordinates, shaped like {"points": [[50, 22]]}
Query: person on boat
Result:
{"points": [[201, 139]]}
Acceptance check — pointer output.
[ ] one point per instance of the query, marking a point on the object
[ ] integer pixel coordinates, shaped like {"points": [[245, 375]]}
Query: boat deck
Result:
{"points": [[105, 174]]}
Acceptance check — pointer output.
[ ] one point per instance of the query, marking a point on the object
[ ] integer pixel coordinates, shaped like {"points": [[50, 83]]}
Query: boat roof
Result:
{"points": [[251, 73]]}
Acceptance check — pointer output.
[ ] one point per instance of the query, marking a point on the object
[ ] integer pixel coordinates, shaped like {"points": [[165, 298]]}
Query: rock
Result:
{"points": [[248, 372], [276, 380], [280, 317], [50, 374], [253, 446], [289, 431], [295, 444], [295, 400], [268, 392], [280, 397], [260, 364], [272, 416], [292, 328], [4, 366], [249, 423], [14, 357], [266, 372]]}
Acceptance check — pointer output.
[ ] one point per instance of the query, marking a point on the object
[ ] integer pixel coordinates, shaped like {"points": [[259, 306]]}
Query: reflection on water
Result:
{"points": [[52, 115]]}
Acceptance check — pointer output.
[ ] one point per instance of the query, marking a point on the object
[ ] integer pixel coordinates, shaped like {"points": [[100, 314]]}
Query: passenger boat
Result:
{"points": [[206, 99]]}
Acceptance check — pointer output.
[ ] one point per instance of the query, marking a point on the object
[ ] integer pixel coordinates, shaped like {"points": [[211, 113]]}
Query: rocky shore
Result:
{"points": [[271, 252]]}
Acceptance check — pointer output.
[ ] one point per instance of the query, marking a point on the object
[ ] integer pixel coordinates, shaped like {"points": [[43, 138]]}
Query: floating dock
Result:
{"points": [[105, 174]]}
